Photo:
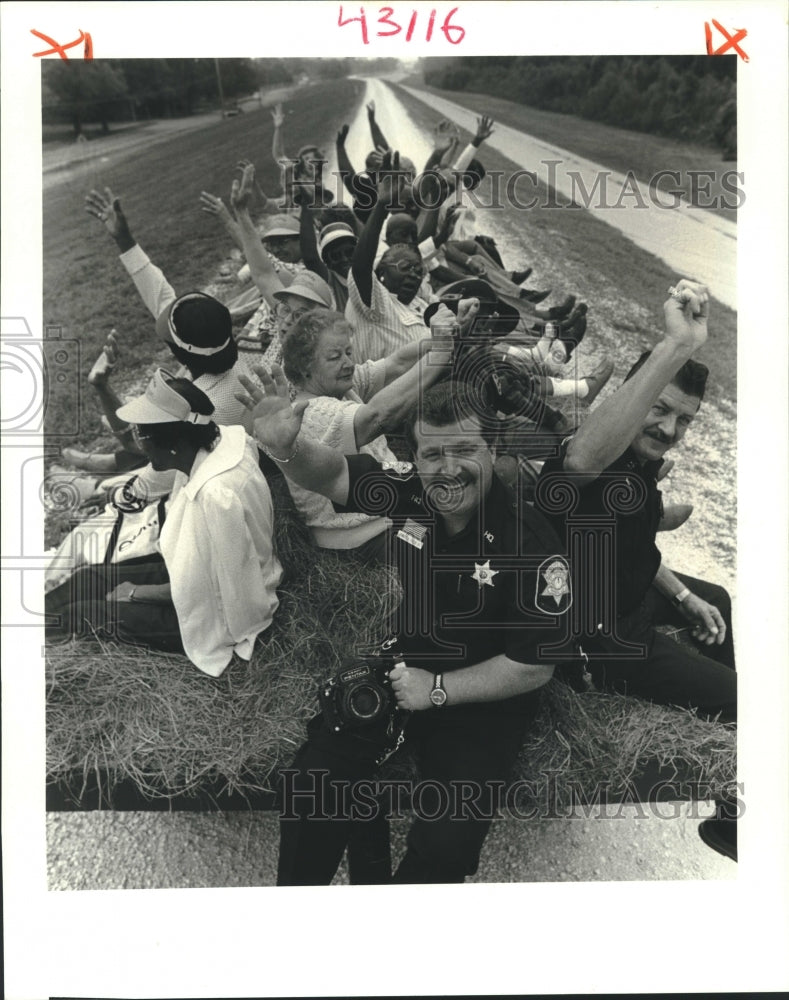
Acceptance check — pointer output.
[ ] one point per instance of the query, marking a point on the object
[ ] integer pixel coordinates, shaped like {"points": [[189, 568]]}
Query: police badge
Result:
{"points": [[553, 595]]}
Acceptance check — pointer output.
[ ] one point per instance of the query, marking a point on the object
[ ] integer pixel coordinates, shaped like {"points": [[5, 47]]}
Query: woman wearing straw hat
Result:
{"points": [[213, 591]]}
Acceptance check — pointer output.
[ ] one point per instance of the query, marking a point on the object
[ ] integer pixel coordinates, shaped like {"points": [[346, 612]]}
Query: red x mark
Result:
{"points": [[84, 36], [730, 43]]}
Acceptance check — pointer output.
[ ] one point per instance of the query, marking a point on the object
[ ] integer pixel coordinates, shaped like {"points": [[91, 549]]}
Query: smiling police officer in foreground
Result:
{"points": [[484, 585]]}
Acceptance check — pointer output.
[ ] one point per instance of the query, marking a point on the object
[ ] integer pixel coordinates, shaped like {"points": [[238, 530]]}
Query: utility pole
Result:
{"points": [[219, 85]]}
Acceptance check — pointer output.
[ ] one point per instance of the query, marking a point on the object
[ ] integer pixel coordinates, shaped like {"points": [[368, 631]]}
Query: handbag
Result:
{"points": [[122, 531]]}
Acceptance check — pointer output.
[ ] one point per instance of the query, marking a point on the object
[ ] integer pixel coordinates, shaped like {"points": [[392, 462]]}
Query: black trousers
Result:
{"points": [[465, 756], [80, 607], [672, 674]]}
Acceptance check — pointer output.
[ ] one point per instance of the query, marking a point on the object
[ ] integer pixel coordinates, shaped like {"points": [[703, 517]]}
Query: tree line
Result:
{"points": [[681, 97], [103, 91]]}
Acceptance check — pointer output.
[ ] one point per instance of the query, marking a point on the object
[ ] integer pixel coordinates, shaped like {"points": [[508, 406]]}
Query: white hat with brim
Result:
{"points": [[160, 404], [281, 225], [308, 285], [333, 232]]}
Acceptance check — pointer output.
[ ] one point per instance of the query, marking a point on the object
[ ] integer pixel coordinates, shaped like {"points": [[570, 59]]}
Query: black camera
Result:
{"points": [[360, 694]]}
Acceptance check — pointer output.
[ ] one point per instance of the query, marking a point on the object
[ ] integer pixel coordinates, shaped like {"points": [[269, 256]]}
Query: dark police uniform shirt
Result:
{"points": [[625, 482], [473, 595]]}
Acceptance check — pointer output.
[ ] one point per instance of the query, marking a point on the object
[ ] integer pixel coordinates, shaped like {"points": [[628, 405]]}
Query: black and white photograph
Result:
{"points": [[394, 459]]}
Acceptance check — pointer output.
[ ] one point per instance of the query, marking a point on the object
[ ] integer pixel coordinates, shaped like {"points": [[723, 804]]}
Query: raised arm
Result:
{"points": [[389, 406], [260, 266], [213, 205], [379, 139], [344, 164], [484, 131], [405, 357], [441, 187], [276, 426], [155, 290], [267, 205], [610, 428], [307, 236], [389, 191], [445, 136], [277, 141]]}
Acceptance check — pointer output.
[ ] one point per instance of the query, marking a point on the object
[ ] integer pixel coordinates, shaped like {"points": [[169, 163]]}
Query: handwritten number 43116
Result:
{"points": [[453, 33]]}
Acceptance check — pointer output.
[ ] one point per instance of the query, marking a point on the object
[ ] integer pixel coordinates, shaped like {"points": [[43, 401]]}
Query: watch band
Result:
{"points": [[677, 599], [438, 695]]}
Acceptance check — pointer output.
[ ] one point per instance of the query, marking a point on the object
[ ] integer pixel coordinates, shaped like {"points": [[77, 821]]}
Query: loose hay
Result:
{"points": [[117, 713]]}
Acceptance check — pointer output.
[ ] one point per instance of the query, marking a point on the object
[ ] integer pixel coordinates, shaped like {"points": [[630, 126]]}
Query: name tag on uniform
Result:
{"points": [[413, 533]]}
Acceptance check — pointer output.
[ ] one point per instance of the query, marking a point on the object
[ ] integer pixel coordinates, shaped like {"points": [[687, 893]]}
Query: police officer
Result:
{"points": [[612, 465], [484, 586]]}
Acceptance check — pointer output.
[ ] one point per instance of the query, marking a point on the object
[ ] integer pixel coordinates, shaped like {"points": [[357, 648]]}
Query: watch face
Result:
{"points": [[438, 696]]}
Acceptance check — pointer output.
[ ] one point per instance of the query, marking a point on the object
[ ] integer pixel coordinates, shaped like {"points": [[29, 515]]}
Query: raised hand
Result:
{"points": [[342, 135], [106, 361], [215, 206], [686, 311], [371, 108], [391, 181], [278, 116], [276, 423], [107, 209], [241, 191], [484, 130]]}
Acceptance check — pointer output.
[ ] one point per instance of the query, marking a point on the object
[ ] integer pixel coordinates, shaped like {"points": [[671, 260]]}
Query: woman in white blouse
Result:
{"points": [[213, 592]]}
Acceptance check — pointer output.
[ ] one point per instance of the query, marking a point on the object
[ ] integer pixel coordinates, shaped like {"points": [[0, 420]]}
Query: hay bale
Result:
{"points": [[118, 713]]}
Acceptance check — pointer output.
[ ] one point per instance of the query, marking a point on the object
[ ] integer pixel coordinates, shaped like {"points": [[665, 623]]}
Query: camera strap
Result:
{"points": [[395, 732]]}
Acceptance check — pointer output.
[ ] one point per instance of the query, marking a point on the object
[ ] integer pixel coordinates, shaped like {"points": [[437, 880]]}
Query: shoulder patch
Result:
{"points": [[553, 595]]}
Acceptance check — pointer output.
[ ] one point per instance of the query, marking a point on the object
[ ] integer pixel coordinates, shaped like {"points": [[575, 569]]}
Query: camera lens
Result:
{"points": [[365, 701]]}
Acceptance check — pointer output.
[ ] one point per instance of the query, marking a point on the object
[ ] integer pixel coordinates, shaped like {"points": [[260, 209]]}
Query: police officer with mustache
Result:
{"points": [[605, 478]]}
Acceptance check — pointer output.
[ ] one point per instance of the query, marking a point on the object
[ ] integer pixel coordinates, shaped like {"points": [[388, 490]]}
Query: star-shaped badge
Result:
{"points": [[483, 574], [555, 577]]}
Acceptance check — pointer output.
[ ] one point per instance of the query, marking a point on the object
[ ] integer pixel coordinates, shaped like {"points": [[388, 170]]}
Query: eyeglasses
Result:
{"points": [[409, 267], [284, 311], [139, 438]]}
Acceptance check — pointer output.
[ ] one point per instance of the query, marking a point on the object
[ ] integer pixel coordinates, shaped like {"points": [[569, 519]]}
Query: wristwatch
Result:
{"points": [[438, 695], [677, 599]]}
